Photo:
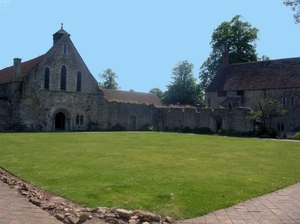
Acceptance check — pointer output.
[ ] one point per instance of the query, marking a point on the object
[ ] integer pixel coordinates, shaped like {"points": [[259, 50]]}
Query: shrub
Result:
{"points": [[297, 136], [186, 129], [118, 127], [176, 129], [266, 132], [231, 132], [146, 127], [245, 134], [203, 131], [272, 132], [222, 132], [283, 136]]}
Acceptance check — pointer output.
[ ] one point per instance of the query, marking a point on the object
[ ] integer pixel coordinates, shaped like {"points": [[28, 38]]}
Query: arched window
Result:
{"points": [[63, 78], [77, 120], [81, 120], [47, 78], [78, 86]]}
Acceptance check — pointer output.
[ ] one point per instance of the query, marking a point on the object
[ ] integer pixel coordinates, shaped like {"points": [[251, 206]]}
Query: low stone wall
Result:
{"points": [[135, 116]]}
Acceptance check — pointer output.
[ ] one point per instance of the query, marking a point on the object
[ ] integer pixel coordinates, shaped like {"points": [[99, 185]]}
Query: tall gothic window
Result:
{"points": [[47, 78], [78, 86], [81, 120], [77, 120], [63, 78]]}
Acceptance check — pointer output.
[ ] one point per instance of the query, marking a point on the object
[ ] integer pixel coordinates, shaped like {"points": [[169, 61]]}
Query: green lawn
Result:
{"points": [[179, 175]]}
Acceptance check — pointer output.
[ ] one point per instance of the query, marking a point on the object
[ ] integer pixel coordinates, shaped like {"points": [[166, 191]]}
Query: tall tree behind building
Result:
{"points": [[183, 88], [236, 38], [109, 80]]}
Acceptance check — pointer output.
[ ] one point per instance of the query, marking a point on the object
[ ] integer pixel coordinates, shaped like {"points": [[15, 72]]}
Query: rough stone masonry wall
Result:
{"points": [[38, 109], [130, 115], [191, 117], [291, 119], [168, 118], [5, 118]]}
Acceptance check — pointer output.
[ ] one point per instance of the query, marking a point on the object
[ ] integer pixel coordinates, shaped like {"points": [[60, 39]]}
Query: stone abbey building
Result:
{"points": [[57, 92]]}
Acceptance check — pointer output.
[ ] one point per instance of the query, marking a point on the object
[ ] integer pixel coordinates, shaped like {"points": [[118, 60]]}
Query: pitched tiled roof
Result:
{"points": [[272, 74], [6, 74], [131, 97]]}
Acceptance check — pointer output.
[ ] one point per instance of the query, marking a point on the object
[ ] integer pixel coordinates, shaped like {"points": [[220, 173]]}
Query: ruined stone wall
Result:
{"points": [[135, 116], [129, 115]]}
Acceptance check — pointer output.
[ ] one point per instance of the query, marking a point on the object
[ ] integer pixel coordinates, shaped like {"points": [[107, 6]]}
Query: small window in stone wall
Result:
{"points": [[221, 93], [65, 48], [293, 100], [284, 100], [47, 78], [280, 127], [79, 119], [240, 93], [78, 85]]}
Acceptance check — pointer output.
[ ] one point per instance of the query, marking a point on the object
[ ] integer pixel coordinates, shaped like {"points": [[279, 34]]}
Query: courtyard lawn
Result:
{"points": [[180, 175]]}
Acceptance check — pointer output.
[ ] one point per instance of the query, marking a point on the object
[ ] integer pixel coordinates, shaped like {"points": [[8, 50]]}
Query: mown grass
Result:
{"points": [[179, 175]]}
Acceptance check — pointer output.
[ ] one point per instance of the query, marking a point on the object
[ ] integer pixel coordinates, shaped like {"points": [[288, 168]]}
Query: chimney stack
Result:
{"points": [[17, 68], [225, 58]]}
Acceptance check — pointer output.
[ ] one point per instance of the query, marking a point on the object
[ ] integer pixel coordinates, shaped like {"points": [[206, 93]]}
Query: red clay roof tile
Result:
{"points": [[272, 74], [131, 97], [6, 74]]}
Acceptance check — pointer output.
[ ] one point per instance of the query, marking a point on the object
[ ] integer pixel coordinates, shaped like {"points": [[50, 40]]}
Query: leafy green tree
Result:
{"points": [[264, 58], [236, 38], [183, 89], [269, 109], [109, 80], [157, 92], [295, 6]]}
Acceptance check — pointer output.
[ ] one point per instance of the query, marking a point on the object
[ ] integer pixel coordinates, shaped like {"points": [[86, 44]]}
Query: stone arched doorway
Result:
{"points": [[61, 120], [219, 124]]}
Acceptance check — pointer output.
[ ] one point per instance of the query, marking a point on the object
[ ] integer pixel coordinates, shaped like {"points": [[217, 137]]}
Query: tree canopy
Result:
{"points": [[237, 38], [109, 80], [295, 6], [183, 88], [157, 92], [269, 109]]}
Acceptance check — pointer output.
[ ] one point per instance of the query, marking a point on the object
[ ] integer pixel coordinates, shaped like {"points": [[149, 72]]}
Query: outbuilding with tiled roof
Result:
{"points": [[244, 84]]}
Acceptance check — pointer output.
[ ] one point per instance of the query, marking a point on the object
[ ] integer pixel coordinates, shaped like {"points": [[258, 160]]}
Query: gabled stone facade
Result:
{"points": [[57, 92]]}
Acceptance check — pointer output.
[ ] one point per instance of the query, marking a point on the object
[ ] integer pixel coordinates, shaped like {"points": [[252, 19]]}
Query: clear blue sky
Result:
{"points": [[141, 40]]}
